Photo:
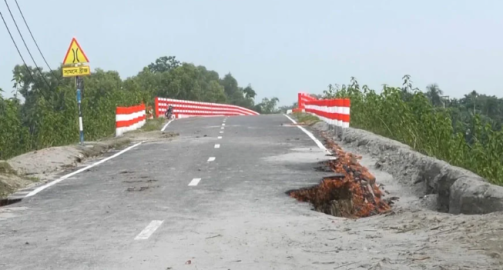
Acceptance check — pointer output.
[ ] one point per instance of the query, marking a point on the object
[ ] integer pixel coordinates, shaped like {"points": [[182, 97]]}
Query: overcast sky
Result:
{"points": [[278, 46]]}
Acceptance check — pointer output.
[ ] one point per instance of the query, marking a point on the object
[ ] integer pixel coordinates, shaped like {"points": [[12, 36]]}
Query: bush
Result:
{"points": [[411, 118]]}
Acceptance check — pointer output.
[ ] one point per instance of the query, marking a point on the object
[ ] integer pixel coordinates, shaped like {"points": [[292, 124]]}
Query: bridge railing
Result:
{"points": [[129, 118], [333, 111], [186, 108]]}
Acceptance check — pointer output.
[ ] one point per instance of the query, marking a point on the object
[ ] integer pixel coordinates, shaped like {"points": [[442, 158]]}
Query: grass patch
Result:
{"points": [[305, 118], [153, 124], [5, 168], [4, 190]]}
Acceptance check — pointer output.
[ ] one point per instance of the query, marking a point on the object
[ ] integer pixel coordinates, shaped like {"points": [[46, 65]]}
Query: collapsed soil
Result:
{"points": [[351, 192], [411, 235]]}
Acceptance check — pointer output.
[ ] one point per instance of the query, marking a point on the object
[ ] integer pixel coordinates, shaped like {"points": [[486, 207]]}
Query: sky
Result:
{"points": [[280, 47]]}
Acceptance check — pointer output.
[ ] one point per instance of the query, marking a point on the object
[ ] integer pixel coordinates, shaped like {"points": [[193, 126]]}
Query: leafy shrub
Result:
{"points": [[411, 118]]}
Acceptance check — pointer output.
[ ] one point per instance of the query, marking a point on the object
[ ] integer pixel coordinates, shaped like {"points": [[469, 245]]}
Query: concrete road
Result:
{"points": [[213, 198]]}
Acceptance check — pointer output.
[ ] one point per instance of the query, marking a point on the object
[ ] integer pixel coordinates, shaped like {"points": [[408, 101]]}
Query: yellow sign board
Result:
{"points": [[76, 71], [75, 54]]}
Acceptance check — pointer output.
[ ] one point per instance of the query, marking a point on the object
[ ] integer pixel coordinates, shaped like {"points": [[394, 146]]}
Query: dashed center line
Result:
{"points": [[222, 131], [223, 124], [149, 230], [194, 182], [222, 127], [211, 159], [217, 145], [219, 137]]}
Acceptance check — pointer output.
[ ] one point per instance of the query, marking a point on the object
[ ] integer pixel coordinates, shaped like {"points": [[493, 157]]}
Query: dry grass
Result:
{"points": [[153, 124], [305, 118]]}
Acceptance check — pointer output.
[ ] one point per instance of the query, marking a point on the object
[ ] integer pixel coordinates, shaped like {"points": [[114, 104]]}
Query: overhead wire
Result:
{"points": [[26, 46], [31, 34], [17, 48]]}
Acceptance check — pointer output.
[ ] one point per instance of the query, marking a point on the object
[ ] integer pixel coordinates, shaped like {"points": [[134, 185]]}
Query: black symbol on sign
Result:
{"points": [[76, 55]]}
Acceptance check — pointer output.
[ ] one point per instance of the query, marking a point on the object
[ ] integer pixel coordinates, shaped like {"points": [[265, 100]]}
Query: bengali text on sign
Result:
{"points": [[76, 71]]}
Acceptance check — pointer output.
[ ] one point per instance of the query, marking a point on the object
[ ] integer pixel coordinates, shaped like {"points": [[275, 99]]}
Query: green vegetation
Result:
{"points": [[153, 124], [465, 132], [5, 168], [305, 118], [48, 116], [268, 106]]}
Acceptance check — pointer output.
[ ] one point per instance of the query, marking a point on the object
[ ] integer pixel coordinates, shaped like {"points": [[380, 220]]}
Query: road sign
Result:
{"points": [[76, 71], [75, 54], [73, 66]]}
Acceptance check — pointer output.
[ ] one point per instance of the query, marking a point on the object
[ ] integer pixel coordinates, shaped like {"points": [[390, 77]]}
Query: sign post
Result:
{"points": [[74, 65]]}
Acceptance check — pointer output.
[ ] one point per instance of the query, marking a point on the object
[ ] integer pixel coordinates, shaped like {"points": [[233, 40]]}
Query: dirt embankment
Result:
{"points": [[41, 166], [431, 195], [447, 188]]}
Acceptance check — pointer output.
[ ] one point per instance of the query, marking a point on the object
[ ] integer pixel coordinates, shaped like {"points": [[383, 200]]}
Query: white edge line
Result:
{"points": [[194, 182], [320, 145], [38, 189], [149, 230], [165, 126], [211, 159], [217, 145]]}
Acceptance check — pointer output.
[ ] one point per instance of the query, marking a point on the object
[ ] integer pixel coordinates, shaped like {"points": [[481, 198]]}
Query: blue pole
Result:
{"points": [[79, 101]]}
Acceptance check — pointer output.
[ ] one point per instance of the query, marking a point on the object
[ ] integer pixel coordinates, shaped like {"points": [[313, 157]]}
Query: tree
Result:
{"points": [[331, 92], [249, 92], [49, 114], [268, 106], [231, 87], [434, 93], [164, 64]]}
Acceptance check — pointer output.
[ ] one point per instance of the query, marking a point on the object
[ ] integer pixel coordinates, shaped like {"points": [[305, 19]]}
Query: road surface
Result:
{"points": [[214, 198]]}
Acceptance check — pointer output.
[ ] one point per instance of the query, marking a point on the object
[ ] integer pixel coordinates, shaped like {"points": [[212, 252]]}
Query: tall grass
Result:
{"points": [[427, 129]]}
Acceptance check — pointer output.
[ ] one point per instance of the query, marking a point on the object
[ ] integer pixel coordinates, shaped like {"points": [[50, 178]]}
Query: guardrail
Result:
{"points": [[129, 118], [303, 99], [186, 108], [335, 112]]}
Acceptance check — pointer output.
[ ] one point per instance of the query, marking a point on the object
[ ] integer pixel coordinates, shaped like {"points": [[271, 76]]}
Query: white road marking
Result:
{"points": [[211, 159], [223, 124], [219, 137], [38, 189], [194, 182], [165, 126], [320, 145], [222, 131], [149, 230], [222, 127], [217, 145]]}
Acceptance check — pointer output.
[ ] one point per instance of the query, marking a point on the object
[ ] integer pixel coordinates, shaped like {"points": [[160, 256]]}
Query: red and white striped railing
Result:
{"points": [[333, 111], [302, 99], [186, 108], [129, 118]]}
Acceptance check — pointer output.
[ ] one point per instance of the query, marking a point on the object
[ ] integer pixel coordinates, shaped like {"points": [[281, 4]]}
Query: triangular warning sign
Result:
{"points": [[75, 54]]}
